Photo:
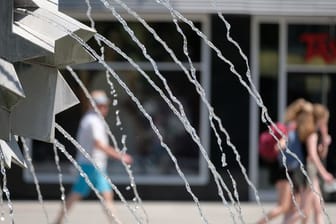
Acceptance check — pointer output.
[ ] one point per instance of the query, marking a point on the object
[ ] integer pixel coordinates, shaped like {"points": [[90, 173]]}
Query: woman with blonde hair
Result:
{"points": [[278, 170], [309, 125], [294, 109], [321, 117]]}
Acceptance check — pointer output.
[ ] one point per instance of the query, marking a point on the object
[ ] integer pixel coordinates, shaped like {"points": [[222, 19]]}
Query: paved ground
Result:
{"points": [[31, 212]]}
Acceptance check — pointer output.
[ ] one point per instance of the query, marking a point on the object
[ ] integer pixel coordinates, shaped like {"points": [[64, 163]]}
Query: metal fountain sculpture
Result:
{"points": [[32, 90]]}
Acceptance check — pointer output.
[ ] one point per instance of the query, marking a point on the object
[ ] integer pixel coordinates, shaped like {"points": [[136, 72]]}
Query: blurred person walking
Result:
{"points": [[321, 115], [92, 136], [313, 134], [278, 175]]}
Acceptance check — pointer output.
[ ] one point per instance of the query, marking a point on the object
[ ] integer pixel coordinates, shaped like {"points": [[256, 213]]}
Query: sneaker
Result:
{"points": [[330, 187]]}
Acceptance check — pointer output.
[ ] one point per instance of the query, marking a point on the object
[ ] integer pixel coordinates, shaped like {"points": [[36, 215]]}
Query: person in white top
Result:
{"points": [[93, 137]]}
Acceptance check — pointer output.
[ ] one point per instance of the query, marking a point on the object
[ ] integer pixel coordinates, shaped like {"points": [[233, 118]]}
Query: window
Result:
{"points": [[268, 59], [152, 163], [311, 44]]}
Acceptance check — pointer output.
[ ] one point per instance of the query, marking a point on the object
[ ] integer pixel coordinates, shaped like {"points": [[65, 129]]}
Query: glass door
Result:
{"points": [[311, 68]]}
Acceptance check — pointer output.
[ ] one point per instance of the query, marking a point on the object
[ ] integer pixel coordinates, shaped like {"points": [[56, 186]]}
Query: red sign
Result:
{"points": [[319, 45]]}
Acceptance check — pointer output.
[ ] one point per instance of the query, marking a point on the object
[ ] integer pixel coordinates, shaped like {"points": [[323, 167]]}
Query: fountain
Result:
{"points": [[32, 89], [36, 40]]}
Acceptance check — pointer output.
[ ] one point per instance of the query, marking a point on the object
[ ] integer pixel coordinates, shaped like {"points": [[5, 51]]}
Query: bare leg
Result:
{"points": [[108, 197], [284, 201], [314, 204], [306, 201], [73, 197], [317, 206], [293, 209]]}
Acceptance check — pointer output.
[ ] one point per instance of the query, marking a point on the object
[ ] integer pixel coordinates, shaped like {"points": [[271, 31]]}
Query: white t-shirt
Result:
{"points": [[91, 129]]}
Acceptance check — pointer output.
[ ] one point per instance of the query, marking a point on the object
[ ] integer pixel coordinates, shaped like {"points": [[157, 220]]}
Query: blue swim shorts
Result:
{"points": [[95, 176]]}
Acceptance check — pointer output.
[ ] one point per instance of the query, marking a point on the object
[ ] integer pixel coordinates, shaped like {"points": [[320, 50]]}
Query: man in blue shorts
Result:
{"points": [[93, 137]]}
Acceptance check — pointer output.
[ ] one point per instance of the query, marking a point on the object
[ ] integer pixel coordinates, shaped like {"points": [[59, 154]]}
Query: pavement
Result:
{"points": [[90, 211]]}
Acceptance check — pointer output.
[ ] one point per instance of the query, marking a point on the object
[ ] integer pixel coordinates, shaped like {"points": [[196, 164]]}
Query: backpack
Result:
{"points": [[267, 143]]}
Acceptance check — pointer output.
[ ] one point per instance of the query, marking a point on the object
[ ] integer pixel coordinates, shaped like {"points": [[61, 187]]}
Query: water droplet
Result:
{"points": [[118, 123], [224, 160], [123, 139], [128, 188]]}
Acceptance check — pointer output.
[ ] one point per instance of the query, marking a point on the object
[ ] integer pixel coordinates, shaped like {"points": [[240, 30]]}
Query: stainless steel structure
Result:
{"points": [[37, 37]]}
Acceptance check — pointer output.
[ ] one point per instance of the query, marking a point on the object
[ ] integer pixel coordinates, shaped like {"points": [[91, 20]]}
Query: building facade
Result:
{"points": [[291, 51]]}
